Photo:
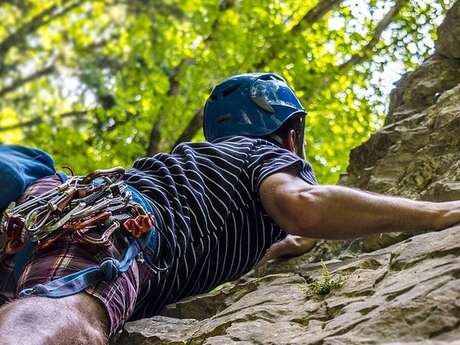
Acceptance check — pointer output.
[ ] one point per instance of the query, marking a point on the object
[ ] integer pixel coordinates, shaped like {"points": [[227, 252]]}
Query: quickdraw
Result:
{"points": [[89, 208]]}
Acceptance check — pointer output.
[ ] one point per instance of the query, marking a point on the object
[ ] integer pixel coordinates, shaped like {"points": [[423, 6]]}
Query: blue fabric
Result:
{"points": [[19, 167]]}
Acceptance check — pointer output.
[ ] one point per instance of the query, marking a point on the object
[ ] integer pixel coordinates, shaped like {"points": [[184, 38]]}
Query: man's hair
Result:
{"points": [[296, 123]]}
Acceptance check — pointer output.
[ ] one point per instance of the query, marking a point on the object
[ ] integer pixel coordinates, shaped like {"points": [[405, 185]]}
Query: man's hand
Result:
{"points": [[289, 247], [449, 214], [292, 246], [335, 212]]}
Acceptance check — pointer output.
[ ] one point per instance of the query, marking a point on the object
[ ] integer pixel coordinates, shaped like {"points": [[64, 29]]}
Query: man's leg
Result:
{"points": [[74, 320], [86, 318]]}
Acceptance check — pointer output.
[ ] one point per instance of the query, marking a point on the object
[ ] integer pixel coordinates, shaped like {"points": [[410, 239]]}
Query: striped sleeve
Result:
{"points": [[266, 159]]}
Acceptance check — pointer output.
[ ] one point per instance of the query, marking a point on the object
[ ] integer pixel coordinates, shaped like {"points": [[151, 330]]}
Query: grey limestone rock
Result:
{"points": [[449, 34], [405, 293]]}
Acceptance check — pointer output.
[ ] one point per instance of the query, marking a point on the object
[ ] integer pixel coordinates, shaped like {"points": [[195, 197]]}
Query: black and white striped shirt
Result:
{"points": [[212, 223]]}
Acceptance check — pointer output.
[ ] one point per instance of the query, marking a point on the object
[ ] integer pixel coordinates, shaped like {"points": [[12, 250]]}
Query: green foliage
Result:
{"points": [[327, 284], [100, 83]]}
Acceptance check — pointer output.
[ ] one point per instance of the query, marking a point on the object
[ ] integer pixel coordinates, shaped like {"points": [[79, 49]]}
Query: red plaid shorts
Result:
{"points": [[67, 256]]}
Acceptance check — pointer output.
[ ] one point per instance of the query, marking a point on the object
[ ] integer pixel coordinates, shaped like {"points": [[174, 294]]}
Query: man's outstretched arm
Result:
{"points": [[335, 212]]}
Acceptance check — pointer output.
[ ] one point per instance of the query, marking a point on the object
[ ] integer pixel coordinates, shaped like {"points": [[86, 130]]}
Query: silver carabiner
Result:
{"points": [[53, 227], [31, 219]]}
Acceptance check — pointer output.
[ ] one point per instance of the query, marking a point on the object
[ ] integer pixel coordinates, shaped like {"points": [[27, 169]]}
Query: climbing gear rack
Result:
{"points": [[90, 210]]}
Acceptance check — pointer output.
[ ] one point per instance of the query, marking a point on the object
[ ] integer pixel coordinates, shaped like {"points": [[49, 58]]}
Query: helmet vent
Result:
{"points": [[223, 118], [230, 90]]}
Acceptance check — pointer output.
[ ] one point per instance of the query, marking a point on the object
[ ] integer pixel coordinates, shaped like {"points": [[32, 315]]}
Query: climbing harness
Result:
{"points": [[90, 210]]}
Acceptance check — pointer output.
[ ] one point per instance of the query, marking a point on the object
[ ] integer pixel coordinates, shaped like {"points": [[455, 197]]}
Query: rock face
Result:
{"points": [[449, 31], [384, 289], [417, 153], [406, 293]]}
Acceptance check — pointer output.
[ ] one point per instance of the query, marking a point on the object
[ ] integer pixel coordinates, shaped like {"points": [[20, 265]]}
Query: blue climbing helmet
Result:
{"points": [[252, 104]]}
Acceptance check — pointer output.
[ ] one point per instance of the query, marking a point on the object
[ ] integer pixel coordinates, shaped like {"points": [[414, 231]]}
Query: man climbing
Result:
{"points": [[216, 208]]}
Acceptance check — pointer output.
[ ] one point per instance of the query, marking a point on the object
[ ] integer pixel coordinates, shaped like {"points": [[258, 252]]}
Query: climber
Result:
{"points": [[218, 207]]}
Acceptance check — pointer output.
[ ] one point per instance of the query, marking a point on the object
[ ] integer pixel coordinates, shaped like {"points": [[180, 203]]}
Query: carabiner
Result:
{"points": [[106, 172]]}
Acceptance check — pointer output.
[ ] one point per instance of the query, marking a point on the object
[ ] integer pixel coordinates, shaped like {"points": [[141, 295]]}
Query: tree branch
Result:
{"points": [[379, 29], [43, 18], [28, 27], [314, 15], [366, 50], [155, 132], [19, 4], [193, 126], [21, 81], [39, 119]]}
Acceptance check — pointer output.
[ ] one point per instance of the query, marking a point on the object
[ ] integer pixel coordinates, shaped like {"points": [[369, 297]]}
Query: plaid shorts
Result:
{"points": [[67, 256]]}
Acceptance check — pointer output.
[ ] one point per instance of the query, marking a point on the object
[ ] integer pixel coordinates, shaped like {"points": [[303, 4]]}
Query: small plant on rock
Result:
{"points": [[326, 285]]}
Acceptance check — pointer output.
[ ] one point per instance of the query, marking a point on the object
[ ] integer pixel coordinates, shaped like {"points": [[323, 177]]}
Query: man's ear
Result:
{"points": [[291, 143]]}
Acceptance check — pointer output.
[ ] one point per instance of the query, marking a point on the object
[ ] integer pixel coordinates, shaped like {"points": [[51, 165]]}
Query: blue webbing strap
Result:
{"points": [[108, 270], [76, 282]]}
